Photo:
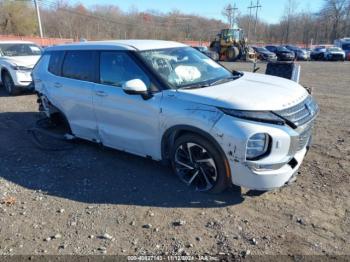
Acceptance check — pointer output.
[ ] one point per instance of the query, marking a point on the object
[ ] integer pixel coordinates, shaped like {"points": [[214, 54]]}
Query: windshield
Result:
{"points": [[19, 50], [185, 67]]}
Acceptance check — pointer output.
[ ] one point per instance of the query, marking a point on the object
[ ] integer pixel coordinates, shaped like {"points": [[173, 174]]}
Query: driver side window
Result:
{"points": [[118, 67]]}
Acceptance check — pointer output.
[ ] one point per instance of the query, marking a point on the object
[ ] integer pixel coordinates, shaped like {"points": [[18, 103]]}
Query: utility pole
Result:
{"points": [[231, 14], [39, 19], [250, 17], [256, 7], [256, 15]]}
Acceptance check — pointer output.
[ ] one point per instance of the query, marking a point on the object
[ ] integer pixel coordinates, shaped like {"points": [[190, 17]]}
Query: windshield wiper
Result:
{"points": [[194, 86], [223, 80]]}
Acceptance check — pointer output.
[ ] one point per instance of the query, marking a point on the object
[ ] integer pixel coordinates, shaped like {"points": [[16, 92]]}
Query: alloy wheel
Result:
{"points": [[195, 166]]}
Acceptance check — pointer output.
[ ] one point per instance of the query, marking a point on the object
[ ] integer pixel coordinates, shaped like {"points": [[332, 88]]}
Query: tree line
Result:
{"points": [[65, 20]]}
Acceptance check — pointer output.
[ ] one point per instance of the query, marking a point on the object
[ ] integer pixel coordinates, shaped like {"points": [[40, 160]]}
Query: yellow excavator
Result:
{"points": [[231, 45]]}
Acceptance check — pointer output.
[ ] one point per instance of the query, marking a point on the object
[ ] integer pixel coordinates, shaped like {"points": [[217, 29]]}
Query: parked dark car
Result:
{"points": [[264, 55], [334, 54], [308, 51], [212, 54], [299, 53], [318, 53], [282, 53]]}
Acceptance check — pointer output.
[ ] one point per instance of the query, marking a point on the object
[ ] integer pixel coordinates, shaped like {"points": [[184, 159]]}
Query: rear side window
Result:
{"points": [[79, 65], [55, 63]]}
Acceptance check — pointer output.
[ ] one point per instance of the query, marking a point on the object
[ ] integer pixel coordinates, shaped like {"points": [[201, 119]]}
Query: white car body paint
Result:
{"points": [[20, 77], [137, 125]]}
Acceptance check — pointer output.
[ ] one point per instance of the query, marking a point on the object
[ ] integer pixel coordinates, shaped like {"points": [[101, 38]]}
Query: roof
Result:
{"points": [[140, 45], [16, 42]]}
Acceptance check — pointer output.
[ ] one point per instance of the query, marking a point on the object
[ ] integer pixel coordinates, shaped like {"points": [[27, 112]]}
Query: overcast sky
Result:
{"points": [[271, 10]]}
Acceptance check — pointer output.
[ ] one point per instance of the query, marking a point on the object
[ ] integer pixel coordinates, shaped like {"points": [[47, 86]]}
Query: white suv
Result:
{"points": [[167, 101], [17, 59]]}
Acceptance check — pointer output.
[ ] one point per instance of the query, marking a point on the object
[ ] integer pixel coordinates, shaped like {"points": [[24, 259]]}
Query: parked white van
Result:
{"points": [[17, 59], [169, 102]]}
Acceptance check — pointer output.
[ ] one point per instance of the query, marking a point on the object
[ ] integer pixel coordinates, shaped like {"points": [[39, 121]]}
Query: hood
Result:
{"points": [[27, 61], [250, 92]]}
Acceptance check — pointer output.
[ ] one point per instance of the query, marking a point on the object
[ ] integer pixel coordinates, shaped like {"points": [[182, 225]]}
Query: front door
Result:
{"points": [[126, 122]]}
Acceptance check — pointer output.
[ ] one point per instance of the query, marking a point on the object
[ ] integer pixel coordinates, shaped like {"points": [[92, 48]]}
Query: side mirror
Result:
{"points": [[135, 87]]}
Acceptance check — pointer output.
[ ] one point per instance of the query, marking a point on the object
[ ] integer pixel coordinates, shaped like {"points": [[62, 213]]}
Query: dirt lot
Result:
{"points": [[91, 200]]}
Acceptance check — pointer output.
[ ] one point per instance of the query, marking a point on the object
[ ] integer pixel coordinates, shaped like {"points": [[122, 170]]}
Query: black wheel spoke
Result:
{"points": [[193, 177], [206, 178], [184, 165]]}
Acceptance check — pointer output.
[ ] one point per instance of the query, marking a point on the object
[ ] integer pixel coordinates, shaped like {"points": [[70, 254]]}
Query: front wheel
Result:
{"points": [[233, 54], [199, 164], [9, 84]]}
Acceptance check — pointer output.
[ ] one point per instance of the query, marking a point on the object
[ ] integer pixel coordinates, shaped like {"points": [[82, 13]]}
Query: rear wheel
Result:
{"points": [[9, 85], [199, 164]]}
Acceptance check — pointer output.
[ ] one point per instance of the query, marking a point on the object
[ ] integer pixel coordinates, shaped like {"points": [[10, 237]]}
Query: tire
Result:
{"points": [[199, 164], [232, 54], [9, 85]]}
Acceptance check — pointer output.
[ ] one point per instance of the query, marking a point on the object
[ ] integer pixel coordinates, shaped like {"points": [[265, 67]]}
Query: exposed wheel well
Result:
{"points": [[55, 114], [60, 119]]}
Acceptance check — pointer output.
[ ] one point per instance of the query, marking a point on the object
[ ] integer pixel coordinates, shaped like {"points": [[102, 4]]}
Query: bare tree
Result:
{"points": [[334, 12]]}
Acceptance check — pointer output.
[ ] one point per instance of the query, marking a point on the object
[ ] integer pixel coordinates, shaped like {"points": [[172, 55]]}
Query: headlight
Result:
{"points": [[21, 68], [257, 146], [258, 116]]}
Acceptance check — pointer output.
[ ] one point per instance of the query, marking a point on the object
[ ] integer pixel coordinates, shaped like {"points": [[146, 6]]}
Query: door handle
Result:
{"points": [[57, 85], [101, 93]]}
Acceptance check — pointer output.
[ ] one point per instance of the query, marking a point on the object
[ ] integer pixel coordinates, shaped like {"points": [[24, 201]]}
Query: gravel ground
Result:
{"points": [[92, 200]]}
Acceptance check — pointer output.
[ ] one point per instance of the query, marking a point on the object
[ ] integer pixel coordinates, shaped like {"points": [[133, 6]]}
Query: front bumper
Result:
{"points": [[335, 57], [269, 173], [22, 79], [267, 179]]}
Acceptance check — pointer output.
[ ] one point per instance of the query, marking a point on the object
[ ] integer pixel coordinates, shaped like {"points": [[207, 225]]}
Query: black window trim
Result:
{"points": [[158, 84]]}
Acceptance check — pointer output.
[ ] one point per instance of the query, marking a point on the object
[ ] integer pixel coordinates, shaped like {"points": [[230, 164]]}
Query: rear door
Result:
{"points": [[70, 85], [126, 122]]}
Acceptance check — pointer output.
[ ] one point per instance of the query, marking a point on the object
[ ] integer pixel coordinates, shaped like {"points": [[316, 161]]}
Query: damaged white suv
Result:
{"points": [[169, 102]]}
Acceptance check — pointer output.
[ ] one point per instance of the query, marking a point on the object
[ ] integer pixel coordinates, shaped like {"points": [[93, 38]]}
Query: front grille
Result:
{"points": [[301, 113]]}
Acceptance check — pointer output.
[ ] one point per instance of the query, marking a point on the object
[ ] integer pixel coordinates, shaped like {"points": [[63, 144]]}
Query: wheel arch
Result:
{"points": [[172, 133]]}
